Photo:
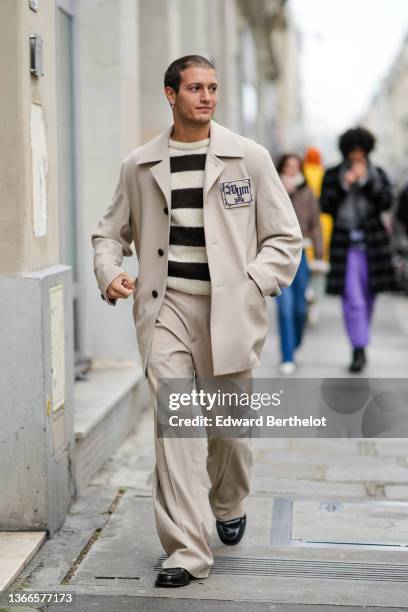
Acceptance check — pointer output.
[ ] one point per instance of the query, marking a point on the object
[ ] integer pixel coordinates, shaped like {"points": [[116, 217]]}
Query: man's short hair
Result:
{"points": [[356, 138], [172, 77]]}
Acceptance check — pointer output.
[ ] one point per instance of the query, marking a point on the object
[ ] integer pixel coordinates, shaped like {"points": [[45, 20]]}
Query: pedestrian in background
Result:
{"points": [[402, 209], [292, 305], [355, 193], [400, 241], [314, 172]]}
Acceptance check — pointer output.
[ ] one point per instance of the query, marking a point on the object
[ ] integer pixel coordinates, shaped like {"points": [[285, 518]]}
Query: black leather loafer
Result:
{"points": [[173, 577], [231, 532]]}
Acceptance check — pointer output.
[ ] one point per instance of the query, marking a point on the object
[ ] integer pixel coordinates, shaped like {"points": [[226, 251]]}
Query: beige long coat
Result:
{"points": [[251, 231]]}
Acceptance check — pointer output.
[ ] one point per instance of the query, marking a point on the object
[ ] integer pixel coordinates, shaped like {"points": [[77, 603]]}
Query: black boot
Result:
{"points": [[359, 360]]}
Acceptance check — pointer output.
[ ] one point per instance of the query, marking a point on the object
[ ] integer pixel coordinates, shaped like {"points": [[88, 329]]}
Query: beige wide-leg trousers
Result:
{"points": [[189, 490]]}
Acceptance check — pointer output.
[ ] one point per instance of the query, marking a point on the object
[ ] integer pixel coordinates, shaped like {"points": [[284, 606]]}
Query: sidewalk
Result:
{"points": [[327, 518]]}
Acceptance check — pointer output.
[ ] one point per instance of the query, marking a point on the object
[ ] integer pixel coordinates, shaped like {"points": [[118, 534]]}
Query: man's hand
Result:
{"points": [[121, 287]]}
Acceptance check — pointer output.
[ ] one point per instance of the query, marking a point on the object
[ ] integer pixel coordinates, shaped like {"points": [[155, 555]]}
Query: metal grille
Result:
{"points": [[293, 568]]}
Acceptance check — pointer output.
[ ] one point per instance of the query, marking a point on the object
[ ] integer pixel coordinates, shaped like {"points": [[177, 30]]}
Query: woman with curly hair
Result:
{"points": [[355, 193]]}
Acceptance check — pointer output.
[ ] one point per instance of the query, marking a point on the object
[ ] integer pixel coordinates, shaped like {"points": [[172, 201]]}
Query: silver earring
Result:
{"points": [[172, 104]]}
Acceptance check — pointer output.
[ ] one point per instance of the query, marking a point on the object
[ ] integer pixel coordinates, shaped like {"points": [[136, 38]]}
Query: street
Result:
{"points": [[327, 518]]}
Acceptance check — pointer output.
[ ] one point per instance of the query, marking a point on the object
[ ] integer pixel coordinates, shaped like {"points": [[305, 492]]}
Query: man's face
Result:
{"points": [[197, 97]]}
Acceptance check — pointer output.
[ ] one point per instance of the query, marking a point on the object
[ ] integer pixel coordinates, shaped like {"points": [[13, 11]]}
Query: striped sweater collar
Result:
{"points": [[224, 143], [188, 146]]}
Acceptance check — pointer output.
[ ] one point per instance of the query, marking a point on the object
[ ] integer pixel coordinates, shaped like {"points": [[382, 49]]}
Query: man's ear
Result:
{"points": [[170, 94]]}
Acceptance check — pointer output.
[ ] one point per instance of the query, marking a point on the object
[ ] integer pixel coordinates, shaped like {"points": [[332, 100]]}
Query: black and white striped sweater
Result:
{"points": [[187, 263]]}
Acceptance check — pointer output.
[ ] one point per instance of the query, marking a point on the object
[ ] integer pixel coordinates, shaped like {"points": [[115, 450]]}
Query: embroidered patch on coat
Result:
{"points": [[237, 193]]}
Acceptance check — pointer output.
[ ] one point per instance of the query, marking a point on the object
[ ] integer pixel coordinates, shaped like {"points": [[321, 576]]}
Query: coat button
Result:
{"points": [[166, 210], [154, 293], [160, 252]]}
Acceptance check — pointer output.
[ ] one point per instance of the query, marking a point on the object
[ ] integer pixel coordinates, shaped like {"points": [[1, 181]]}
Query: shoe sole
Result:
{"points": [[172, 586], [169, 585]]}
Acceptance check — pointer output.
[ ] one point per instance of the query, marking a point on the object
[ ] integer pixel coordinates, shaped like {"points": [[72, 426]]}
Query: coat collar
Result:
{"points": [[223, 143]]}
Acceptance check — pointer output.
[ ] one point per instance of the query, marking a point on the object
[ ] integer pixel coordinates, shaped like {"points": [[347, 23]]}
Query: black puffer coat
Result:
{"points": [[402, 211], [379, 193]]}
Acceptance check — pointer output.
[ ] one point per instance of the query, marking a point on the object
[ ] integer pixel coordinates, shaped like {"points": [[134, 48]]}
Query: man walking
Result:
{"points": [[214, 232]]}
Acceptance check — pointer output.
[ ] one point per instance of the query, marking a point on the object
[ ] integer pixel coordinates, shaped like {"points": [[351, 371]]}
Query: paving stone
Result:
{"points": [[368, 448], [265, 459], [396, 491], [374, 489], [325, 446], [269, 443], [298, 471], [378, 473], [307, 488], [392, 447], [369, 522], [16, 549]]}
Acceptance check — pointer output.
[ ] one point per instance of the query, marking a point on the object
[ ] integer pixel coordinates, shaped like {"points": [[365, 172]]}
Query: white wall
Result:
{"points": [[108, 128]]}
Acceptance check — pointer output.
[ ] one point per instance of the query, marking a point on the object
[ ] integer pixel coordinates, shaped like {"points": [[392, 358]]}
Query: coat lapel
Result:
{"points": [[213, 169], [161, 174], [157, 151], [223, 143]]}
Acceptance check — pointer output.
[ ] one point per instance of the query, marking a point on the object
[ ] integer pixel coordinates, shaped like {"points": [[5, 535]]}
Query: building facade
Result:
{"points": [[84, 87], [387, 117]]}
